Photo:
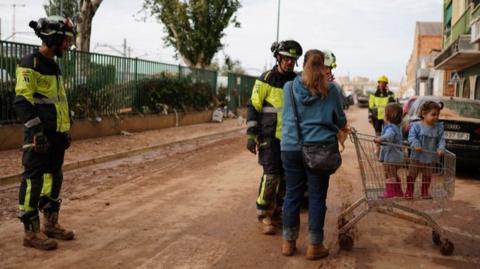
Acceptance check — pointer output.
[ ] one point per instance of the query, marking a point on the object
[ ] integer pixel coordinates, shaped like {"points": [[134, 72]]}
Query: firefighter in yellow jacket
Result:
{"points": [[264, 122], [41, 104], [377, 103]]}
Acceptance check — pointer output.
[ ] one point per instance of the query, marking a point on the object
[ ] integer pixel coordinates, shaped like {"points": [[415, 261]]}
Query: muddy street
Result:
{"points": [[193, 206]]}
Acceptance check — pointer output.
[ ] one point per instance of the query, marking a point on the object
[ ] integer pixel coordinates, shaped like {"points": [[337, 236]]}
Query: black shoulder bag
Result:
{"points": [[318, 157]]}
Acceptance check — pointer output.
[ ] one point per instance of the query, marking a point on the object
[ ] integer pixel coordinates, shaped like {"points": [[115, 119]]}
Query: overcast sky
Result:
{"points": [[369, 37]]}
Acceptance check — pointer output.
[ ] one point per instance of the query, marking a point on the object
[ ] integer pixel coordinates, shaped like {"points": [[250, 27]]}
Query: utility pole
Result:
{"points": [[278, 20], [13, 22], [124, 47], [14, 6], [61, 7]]}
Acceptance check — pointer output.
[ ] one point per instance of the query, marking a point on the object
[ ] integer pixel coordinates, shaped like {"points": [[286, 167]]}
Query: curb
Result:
{"points": [[9, 179]]}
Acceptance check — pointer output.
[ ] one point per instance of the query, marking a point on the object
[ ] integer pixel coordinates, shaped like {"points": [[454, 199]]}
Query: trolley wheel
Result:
{"points": [[446, 248], [436, 238], [345, 241]]}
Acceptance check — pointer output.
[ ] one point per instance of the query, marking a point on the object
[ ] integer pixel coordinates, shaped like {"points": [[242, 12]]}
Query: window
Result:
{"points": [[477, 89], [466, 88]]}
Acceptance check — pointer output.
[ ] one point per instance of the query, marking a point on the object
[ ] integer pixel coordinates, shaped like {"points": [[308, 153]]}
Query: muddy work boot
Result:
{"points": [[261, 214], [34, 238], [288, 247], [268, 227], [315, 252], [53, 229], [277, 219]]}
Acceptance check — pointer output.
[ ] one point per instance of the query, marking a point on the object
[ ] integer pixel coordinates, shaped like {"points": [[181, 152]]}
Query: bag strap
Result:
{"points": [[295, 113]]}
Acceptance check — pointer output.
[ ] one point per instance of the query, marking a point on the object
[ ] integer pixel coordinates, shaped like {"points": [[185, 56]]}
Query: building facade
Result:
{"points": [[427, 40], [460, 55]]}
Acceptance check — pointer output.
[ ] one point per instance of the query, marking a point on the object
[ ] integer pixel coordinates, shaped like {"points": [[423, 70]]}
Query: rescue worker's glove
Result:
{"points": [[68, 140], [40, 143], [252, 145]]}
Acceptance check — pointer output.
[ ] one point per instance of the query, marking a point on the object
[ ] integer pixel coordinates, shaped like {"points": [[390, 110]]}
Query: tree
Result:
{"points": [[195, 27], [84, 23], [233, 66], [70, 8], [82, 12]]}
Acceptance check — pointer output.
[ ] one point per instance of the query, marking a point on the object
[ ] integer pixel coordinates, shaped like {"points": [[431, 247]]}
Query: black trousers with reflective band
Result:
{"points": [[42, 176], [272, 184]]}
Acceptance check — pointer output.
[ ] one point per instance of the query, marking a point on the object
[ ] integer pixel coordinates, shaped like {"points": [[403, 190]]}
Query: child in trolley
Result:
{"points": [[391, 153], [428, 144]]}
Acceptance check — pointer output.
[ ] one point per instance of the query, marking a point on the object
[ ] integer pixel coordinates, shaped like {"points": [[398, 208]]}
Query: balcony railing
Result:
{"points": [[462, 26], [462, 44]]}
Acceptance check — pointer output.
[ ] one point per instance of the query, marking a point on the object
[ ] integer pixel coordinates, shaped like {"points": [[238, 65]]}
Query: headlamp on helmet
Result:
{"points": [[289, 48], [53, 26]]}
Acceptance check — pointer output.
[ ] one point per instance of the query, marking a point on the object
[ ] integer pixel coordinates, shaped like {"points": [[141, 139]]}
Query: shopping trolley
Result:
{"points": [[441, 173]]}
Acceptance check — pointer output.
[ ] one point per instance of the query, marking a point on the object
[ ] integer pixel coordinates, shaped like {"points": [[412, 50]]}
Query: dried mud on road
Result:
{"points": [[193, 206]]}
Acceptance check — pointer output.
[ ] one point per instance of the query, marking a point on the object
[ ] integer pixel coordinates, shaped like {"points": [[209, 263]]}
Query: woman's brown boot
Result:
{"points": [[315, 252], [288, 247]]}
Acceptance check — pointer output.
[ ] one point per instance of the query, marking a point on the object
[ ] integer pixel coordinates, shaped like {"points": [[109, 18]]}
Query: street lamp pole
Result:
{"points": [[278, 20]]}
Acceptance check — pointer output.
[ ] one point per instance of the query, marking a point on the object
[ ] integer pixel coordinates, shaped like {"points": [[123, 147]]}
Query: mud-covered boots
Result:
{"points": [[268, 227], [53, 229], [288, 247], [426, 180], [317, 251], [34, 238], [410, 188]]}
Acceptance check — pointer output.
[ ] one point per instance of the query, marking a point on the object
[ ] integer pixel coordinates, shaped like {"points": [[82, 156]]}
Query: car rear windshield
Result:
{"points": [[461, 109]]}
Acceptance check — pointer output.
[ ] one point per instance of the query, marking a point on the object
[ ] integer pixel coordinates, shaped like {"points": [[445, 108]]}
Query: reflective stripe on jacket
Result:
{"points": [[41, 101], [264, 117]]}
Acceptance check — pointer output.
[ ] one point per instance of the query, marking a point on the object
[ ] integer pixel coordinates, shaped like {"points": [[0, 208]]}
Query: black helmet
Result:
{"points": [[290, 48], [53, 26]]}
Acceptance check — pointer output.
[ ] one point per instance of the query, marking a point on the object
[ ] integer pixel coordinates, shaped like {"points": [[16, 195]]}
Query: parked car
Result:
{"points": [[461, 119], [347, 99], [362, 99]]}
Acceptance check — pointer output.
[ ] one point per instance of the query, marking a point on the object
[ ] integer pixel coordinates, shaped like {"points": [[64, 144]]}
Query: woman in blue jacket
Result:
{"points": [[320, 118]]}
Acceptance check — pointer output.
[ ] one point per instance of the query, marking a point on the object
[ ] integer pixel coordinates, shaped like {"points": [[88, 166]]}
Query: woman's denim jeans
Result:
{"points": [[297, 177]]}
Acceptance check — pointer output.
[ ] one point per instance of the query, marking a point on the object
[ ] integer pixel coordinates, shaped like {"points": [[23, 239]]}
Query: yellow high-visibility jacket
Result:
{"points": [[41, 101], [264, 109], [377, 103]]}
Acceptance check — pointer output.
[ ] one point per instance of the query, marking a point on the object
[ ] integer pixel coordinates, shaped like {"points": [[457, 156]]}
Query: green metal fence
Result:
{"points": [[239, 89], [104, 84]]}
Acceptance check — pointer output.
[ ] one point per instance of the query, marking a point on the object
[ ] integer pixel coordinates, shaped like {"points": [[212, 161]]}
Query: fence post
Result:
{"points": [[137, 93], [179, 71]]}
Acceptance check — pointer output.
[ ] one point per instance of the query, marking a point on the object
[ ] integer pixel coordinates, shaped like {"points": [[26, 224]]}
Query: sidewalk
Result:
{"points": [[10, 160]]}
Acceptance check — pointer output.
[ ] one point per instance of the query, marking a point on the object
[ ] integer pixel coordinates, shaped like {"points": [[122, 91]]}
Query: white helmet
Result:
{"points": [[330, 59]]}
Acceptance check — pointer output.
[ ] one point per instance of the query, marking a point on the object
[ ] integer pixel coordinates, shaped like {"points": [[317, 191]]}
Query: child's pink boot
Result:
{"points": [[389, 191]]}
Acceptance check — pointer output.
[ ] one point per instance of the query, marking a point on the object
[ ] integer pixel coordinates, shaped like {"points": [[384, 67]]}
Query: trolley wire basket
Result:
{"points": [[414, 176]]}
